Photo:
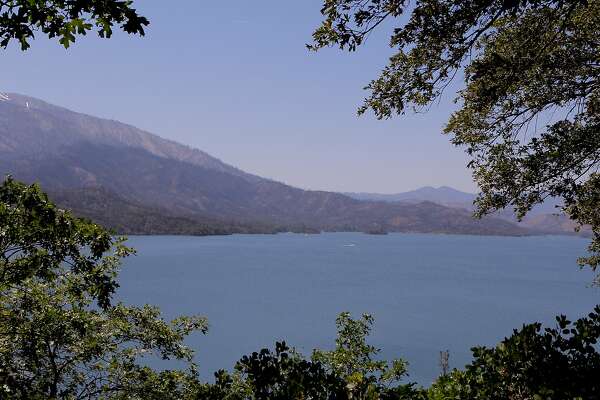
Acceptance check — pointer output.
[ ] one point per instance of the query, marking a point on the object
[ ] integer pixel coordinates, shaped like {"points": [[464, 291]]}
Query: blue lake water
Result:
{"points": [[427, 292]]}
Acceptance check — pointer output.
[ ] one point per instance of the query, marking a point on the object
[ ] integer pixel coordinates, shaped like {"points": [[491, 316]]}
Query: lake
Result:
{"points": [[427, 292]]}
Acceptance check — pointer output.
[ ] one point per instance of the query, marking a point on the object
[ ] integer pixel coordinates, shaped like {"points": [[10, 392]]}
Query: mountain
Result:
{"points": [[33, 127], [109, 209], [546, 217], [450, 197], [443, 195], [136, 182]]}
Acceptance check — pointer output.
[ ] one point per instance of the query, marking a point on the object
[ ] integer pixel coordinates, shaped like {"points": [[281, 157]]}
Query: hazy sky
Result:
{"points": [[235, 79]]}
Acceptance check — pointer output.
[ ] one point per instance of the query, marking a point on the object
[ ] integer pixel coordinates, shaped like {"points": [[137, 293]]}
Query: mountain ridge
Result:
{"points": [[128, 135], [546, 217], [440, 195], [66, 151]]}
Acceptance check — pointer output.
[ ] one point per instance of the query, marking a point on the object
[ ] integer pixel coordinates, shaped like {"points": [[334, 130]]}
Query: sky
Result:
{"points": [[235, 79]]}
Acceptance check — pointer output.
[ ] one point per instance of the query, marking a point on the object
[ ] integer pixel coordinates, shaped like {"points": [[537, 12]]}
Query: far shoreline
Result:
{"points": [[576, 236]]}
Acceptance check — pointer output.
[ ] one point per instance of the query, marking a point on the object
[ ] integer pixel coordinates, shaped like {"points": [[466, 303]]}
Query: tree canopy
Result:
{"points": [[354, 360], [66, 19], [533, 363], [61, 336], [349, 371], [529, 114]]}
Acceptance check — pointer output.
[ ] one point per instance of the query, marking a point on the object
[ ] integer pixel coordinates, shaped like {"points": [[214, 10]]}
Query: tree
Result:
{"points": [[533, 363], [65, 19], [353, 360], [60, 334], [349, 372], [284, 374], [529, 112]]}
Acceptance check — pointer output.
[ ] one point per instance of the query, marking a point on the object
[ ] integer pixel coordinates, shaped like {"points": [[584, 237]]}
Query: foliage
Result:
{"points": [[60, 334], [65, 19], [529, 114], [40, 241], [553, 363], [533, 364], [354, 361], [285, 374], [347, 372]]}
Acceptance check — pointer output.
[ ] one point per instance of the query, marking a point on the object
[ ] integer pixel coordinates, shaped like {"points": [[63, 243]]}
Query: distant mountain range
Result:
{"points": [[443, 195], [446, 196], [136, 182], [546, 217]]}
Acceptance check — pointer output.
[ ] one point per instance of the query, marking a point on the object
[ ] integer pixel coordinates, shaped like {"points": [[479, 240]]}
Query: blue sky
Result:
{"points": [[235, 79]]}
